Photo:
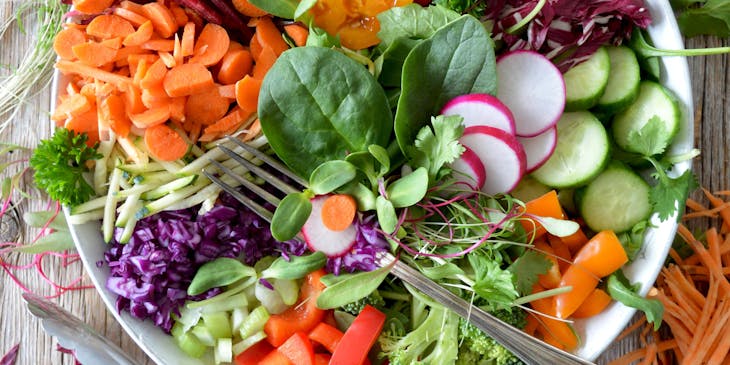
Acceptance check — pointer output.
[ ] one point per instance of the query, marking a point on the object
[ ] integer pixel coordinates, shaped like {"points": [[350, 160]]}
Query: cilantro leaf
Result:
{"points": [[527, 268], [60, 162], [668, 196], [620, 289], [492, 283], [439, 146], [651, 139]]}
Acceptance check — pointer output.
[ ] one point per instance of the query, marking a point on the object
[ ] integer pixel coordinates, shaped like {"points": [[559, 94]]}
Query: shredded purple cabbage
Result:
{"points": [[361, 257], [11, 356], [567, 31], [152, 272]]}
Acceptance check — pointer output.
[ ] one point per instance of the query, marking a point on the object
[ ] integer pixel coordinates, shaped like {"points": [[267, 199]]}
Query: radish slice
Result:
{"points": [[539, 148], [533, 89], [501, 154], [481, 109], [320, 238], [468, 171]]}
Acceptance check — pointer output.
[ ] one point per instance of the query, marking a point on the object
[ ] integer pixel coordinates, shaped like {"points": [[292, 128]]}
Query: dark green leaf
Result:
{"points": [[55, 242], [325, 96], [409, 189], [281, 8], [290, 216], [527, 268], [330, 176], [303, 8], [621, 290], [386, 214], [348, 288], [296, 267], [430, 79], [412, 22], [492, 283], [447, 270], [217, 273]]}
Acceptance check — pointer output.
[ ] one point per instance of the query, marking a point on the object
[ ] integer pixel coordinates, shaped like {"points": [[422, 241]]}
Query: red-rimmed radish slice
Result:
{"points": [[469, 171], [539, 148], [501, 154], [481, 109], [533, 89], [320, 238]]}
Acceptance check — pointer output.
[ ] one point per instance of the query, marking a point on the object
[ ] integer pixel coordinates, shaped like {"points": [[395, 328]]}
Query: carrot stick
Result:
{"points": [[166, 45], [233, 119], [67, 67], [188, 39], [701, 325], [717, 202], [640, 353], [167, 59], [631, 328], [704, 256], [65, 40], [113, 110]]}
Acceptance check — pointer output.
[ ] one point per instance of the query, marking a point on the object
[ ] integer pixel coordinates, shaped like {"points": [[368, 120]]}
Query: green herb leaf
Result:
{"points": [[303, 8], [217, 273], [651, 138], [290, 216], [39, 219], [447, 270], [365, 197], [60, 164], [386, 214], [412, 22], [318, 37], [429, 79], [331, 175], [280, 8], [409, 189], [381, 155], [492, 283], [348, 288], [438, 146], [669, 194], [56, 242], [620, 289], [296, 267], [527, 268], [711, 17], [558, 227], [329, 98]]}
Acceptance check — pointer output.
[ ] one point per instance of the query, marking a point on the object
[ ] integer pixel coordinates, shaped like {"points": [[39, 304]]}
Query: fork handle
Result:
{"points": [[528, 348]]}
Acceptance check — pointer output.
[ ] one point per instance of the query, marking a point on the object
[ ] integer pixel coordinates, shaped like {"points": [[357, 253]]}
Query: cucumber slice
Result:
{"points": [[623, 81], [650, 123], [585, 83], [616, 199], [529, 189], [581, 153]]}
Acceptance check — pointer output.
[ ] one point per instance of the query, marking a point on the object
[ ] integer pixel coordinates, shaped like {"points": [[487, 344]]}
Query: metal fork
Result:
{"points": [[528, 348]]}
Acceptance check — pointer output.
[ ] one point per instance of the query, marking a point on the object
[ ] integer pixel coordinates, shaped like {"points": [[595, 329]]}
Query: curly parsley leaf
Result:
{"points": [[620, 289], [527, 268], [697, 17], [60, 162], [492, 282], [439, 146]]}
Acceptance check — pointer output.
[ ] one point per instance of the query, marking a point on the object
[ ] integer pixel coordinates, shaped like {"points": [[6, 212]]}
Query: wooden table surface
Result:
{"points": [[710, 81]]}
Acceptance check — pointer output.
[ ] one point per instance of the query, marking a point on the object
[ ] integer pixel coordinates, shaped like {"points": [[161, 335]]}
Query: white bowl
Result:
{"points": [[597, 333]]}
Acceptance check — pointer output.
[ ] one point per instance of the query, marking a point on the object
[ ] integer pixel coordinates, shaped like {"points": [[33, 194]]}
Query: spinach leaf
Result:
{"points": [[327, 101], [281, 8], [458, 59], [620, 289], [412, 21]]}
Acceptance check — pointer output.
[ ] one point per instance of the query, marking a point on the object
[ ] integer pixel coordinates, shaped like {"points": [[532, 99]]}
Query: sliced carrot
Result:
{"points": [[133, 100], [247, 93], [188, 39], [297, 33], [252, 131], [227, 91], [92, 6], [602, 255], [74, 105], [595, 303], [132, 52], [181, 18], [113, 110], [177, 109], [65, 40], [140, 36], [211, 46], [207, 107], [139, 70], [269, 36], [233, 119], [154, 75], [265, 62], [109, 26], [187, 79], [164, 143], [234, 66], [85, 123], [248, 9], [131, 6], [94, 54], [165, 45], [113, 43], [338, 211], [134, 18], [162, 19], [233, 45], [155, 97], [255, 48], [151, 117]]}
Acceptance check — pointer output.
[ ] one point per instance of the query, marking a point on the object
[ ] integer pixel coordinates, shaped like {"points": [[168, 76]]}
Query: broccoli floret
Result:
{"points": [[433, 341], [374, 299], [479, 344]]}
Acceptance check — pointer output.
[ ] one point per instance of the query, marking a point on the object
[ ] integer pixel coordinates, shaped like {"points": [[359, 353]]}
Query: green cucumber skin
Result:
{"points": [[644, 108], [616, 199], [623, 81], [582, 93]]}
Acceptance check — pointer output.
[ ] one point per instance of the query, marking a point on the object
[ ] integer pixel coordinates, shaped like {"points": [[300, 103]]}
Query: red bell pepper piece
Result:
{"points": [[298, 349], [359, 338], [327, 336], [254, 354], [303, 316]]}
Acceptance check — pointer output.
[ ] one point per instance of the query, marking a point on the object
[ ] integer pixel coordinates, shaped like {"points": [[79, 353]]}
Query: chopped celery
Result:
{"points": [[233, 302], [187, 342], [254, 322], [218, 323], [238, 315], [203, 334], [247, 342], [223, 351]]}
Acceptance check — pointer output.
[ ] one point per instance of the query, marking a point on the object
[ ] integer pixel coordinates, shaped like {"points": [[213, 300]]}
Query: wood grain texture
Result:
{"points": [[711, 77]]}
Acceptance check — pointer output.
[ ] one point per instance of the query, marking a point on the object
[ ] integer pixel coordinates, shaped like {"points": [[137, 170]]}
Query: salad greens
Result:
{"points": [[696, 17], [619, 287]]}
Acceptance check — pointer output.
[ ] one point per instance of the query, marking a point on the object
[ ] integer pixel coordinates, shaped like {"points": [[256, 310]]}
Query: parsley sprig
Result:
{"points": [[60, 163]]}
